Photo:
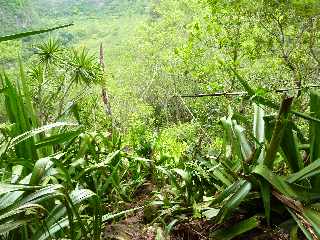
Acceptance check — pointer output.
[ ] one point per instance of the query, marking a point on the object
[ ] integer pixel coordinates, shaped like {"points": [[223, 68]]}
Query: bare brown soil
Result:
{"points": [[134, 227]]}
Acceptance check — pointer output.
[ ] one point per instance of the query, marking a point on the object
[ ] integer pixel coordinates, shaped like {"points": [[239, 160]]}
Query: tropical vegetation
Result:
{"points": [[167, 119]]}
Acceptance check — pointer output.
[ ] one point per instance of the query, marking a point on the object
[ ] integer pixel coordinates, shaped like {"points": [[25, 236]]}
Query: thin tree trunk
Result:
{"points": [[104, 93]]}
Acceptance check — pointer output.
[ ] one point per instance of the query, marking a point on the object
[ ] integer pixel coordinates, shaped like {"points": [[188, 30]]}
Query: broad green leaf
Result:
{"points": [[243, 142], [6, 188], [211, 213], [185, 175], [58, 226], [15, 212], [232, 144], [290, 149], [79, 195], [258, 123], [111, 216], [102, 164], [19, 117], [58, 139], [170, 226], [11, 197], [311, 170], [220, 174], [283, 187], [16, 173], [301, 225], [11, 225], [315, 132], [231, 204], [277, 133], [50, 192], [236, 230], [266, 198], [313, 217], [227, 125], [40, 169], [276, 181], [30, 33], [34, 132], [227, 192]]}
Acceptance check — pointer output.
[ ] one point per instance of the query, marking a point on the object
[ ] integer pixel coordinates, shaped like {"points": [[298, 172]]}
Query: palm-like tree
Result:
{"points": [[84, 67]]}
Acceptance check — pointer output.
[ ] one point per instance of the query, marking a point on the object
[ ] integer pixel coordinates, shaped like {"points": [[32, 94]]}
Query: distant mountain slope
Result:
{"points": [[15, 15], [111, 22], [60, 8], [23, 14]]}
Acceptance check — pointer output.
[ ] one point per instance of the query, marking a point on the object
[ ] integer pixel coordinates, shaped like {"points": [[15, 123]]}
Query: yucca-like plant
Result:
{"points": [[49, 52], [84, 68], [61, 76]]}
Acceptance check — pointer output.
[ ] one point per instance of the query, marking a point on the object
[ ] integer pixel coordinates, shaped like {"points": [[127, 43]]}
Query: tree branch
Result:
{"points": [[219, 94]]}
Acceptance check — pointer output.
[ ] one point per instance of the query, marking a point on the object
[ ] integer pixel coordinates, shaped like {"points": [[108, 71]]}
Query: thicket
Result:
{"points": [[169, 108]]}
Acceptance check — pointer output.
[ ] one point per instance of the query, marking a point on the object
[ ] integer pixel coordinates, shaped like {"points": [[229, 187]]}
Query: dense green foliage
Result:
{"points": [[145, 107]]}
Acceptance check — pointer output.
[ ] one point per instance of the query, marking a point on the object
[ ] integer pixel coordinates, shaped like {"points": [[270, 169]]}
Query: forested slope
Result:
{"points": [[15, 15], [171, 119]]}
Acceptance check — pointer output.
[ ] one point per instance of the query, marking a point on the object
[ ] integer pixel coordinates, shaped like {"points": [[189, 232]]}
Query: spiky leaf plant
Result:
{"points": [[48, 52], [33, 205], [20, 112], [260, 173], [289, 191], [84, 68]]}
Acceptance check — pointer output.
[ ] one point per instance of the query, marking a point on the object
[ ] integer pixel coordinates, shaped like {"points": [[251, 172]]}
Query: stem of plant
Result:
{"points": [[278, 132]]}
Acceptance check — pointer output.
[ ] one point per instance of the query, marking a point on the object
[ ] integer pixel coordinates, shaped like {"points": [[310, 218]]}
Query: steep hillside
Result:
{"points": [[25, 14], [86, 8], [15, 15], [95, 21]]}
